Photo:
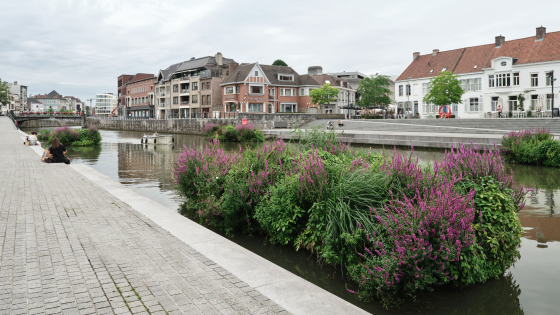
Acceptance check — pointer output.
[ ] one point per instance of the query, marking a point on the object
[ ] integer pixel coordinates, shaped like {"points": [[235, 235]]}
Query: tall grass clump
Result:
{"points": [[69, 136], [397, 228], [532, 147], [229, 133]]}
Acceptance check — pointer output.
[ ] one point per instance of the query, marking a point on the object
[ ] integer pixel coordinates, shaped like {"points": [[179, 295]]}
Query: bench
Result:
{"points": [[280, 124]]}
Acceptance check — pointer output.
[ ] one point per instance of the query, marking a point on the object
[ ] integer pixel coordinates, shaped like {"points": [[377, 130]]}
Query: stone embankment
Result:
{"points": [[39, 123], [196, 126]]}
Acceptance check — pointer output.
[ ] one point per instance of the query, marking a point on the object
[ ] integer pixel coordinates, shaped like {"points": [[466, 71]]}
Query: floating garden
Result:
{"points": [[68, 136], [230, 133], [398, 228]]}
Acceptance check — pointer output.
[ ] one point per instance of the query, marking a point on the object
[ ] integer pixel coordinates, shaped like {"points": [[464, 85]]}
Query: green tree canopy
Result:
{"points": [[5, 95], [375, 91], [279, 62], [445, 89], [50, 109], [325, 95]]}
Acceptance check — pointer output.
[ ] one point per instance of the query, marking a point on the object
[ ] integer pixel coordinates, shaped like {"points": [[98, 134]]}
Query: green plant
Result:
{"points": [[445, 89], [375, 91]]}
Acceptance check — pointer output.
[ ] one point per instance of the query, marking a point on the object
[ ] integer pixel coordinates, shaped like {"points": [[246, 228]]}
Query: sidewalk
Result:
{"points": [[67, 246]]}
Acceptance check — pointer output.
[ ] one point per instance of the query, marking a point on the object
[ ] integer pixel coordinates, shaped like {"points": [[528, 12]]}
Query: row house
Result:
{"points": [[53, 101], [73, 104], [191, 88], [34, 105], [136, 95], [489, 74], [19, 97], [346, 95], [260, 88]]}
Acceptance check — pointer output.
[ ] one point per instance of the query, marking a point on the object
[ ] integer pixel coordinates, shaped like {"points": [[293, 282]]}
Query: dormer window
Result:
{"points": [[431, 71], [476, 66], [286, 77], [444, 69], [504, 63], [328, 81]]}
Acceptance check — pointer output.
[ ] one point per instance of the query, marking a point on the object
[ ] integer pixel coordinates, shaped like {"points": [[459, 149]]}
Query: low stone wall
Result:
{"points": [[184, 126], [38, 123], [196, 126]]}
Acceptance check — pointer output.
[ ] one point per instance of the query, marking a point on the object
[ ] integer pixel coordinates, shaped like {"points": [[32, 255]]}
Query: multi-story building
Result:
{"points": [[33, 105], [489, 74], [191, 88], [266, 89], [354, 78], [19, 97], [53, 101], [136, 95], [72, 104], [105, 104], [346, 95]]}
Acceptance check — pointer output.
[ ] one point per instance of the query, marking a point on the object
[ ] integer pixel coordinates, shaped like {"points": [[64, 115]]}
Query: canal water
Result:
{"points": [[532, 286]]}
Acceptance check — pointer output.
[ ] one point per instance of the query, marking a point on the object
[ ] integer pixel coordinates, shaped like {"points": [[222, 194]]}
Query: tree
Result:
{"points": [[375, 91], [50, 109], [325, 95], [279, 62], [5, 95], [445, 89], [521, 99]]}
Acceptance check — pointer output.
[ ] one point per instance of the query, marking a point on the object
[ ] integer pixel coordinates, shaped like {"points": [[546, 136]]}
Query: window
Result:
{"points": [[504, 63], [503, 79], [534, 99], [229, 90], [400, 90], [270, 91], [477, 84], [408, 89], [142, 100], [203, 102], [415, 89], [491, 82], [288, 92], [512, 102], [208, 102], [534, 79], [549, 98], [455, 108], [470, 84], [463, 84], [208, 85], [203, 86], [494, 103], [548, 74], [175, 100], [194, 86], [194, 99], [328, 81], [256, 73], [176, 88], [516, 78], [255, 89], [255, 107], [424, 107], [432, 108], [288, 108], [473, 104], [286, 77], [424, 88], [301, 91]]}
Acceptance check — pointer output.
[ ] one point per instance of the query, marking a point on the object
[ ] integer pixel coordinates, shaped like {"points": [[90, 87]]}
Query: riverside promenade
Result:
{"points": [[74, 242]]}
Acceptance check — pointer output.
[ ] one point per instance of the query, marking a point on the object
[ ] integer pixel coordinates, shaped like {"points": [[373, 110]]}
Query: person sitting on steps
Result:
{"points": [[155, 134]]}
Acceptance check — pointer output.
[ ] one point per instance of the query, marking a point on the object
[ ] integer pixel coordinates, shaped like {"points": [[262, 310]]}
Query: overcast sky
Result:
{"points": [[80, 47]]}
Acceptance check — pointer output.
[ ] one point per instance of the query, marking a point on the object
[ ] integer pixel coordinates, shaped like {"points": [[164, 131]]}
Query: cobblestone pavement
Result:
{"points": [[69, 247]]}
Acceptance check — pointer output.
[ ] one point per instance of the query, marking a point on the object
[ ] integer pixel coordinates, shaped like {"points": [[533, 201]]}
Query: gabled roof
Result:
{"points": [[202, 62], [464, 60], [139, 77], [333, 81], [54, 94], [271, 72]]}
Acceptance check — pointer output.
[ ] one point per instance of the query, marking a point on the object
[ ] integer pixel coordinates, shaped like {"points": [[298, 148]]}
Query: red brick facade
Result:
{"points": [[137, 94]]}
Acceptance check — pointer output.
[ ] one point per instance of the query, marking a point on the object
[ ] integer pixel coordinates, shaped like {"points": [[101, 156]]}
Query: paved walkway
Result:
{"points": [[67, 246]]}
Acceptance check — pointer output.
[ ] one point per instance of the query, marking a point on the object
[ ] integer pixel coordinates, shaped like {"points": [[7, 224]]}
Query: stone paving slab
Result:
{"points": [[67, 246]]}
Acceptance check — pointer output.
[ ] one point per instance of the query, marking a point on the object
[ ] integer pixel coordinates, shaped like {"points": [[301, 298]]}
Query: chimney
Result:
{"points": [[499, 41], [435, 52], [541, 31], [232, 66], [415, 55], [315, 70], [15, 82], [219, 59], [192, 58]]}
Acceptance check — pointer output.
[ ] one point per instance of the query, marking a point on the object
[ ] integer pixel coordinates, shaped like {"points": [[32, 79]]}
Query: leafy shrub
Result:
{"points": [[211, 128], [229, 134], [65, 135], [532, 147]]}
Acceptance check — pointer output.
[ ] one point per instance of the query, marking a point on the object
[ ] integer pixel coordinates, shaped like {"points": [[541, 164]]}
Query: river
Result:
{"points": [[532, 286]]}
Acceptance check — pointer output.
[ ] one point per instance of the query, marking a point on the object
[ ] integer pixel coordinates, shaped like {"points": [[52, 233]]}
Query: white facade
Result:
{"points": [[104, 104], [506, 80], [409, 95]]}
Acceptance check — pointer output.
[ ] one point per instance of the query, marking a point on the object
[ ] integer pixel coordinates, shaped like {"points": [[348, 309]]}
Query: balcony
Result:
{"points": [[161, 94], [184, 79], [210, 74], [185, 91]]}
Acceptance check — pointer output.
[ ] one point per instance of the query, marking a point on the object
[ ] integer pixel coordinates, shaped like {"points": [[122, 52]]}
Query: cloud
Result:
{"points": [[80, 47]]}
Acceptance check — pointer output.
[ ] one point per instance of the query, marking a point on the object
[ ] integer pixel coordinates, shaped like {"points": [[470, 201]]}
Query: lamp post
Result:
{"points": [[552, 79]]}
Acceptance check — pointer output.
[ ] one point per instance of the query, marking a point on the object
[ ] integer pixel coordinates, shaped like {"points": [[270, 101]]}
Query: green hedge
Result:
{"points": [[532, 147]]}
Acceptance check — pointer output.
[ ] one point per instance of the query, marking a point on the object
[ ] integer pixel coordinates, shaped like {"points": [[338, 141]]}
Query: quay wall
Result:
{"points": [[196, 125], [38, 123]]}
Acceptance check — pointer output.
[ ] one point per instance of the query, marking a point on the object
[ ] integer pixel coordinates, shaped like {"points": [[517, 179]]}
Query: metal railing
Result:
{"points": [[203, 115], [185, 90]]}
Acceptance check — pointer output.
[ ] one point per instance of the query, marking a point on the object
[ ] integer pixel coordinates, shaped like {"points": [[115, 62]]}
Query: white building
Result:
{"points": [[35, 106], [346, 95], [487, 73], [105, 104], [19, 97]]}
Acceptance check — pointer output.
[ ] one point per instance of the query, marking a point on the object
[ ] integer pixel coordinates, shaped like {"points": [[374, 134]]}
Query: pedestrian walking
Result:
{"points": [[499, 111]]}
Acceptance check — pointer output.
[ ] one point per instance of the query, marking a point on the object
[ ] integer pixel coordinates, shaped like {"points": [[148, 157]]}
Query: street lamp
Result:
{"points": [[552, 79]]}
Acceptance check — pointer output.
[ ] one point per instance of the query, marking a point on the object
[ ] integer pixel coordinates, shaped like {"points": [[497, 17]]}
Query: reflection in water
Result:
{"points": [[530, 286]]}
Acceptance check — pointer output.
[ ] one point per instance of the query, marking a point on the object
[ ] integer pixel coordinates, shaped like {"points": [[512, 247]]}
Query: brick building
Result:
{"points": [[191, 88], [266, 89], [136, 94]]}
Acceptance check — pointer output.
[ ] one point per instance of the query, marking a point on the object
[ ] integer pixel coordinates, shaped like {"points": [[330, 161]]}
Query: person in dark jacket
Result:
{"points": [[56, 152]]}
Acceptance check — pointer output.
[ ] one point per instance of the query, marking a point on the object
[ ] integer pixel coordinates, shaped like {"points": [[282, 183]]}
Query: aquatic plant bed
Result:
{"points": [[532, 146], [398, 228], [68, 136], [229, 133]]}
